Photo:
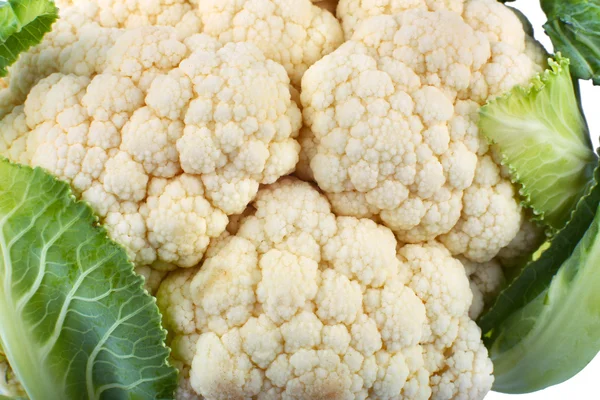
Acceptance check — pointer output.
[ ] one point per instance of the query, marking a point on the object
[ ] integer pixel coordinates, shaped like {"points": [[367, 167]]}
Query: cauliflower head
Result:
{"points": [[294, 33], [300, 304], [391, 124], [166, 142]]}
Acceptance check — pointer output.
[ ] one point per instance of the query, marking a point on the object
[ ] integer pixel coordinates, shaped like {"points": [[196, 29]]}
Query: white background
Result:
{"points": [[585, 385]]}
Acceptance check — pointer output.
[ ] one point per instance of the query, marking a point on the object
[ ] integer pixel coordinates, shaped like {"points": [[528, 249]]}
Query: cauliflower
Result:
{"points": [[164, 143], [361, 276], [391, 123], [295, 33], [300, 303]]}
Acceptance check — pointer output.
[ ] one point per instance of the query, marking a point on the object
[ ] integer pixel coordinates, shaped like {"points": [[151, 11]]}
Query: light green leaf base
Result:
{"points": [[75, 321], [543, 138], [23, 24]]}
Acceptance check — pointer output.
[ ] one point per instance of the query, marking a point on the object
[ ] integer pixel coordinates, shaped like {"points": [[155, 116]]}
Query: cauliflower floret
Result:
{"points": [[75, 45], [143, 56], [125, 178], [166, 142], [180, 220], [486, 280], [392, 123], [127, 226], [302, 304], [388, 148], [468, 370], [295, 33], [491, 215], [442, 286], [13, 140]]}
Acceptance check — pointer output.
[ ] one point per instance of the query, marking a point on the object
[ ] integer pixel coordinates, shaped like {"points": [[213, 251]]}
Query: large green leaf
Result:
{"points": [[543, 328], [23, 24], [555, 335], [75, 321], [537, 275], [543, 138], [574, 27]]}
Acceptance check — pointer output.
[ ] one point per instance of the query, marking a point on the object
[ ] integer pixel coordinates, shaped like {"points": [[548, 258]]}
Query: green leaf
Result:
{"points": [[537, 275], [555, 335], [543, 139], [75, 321], [574, 27], [23, 24]]}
